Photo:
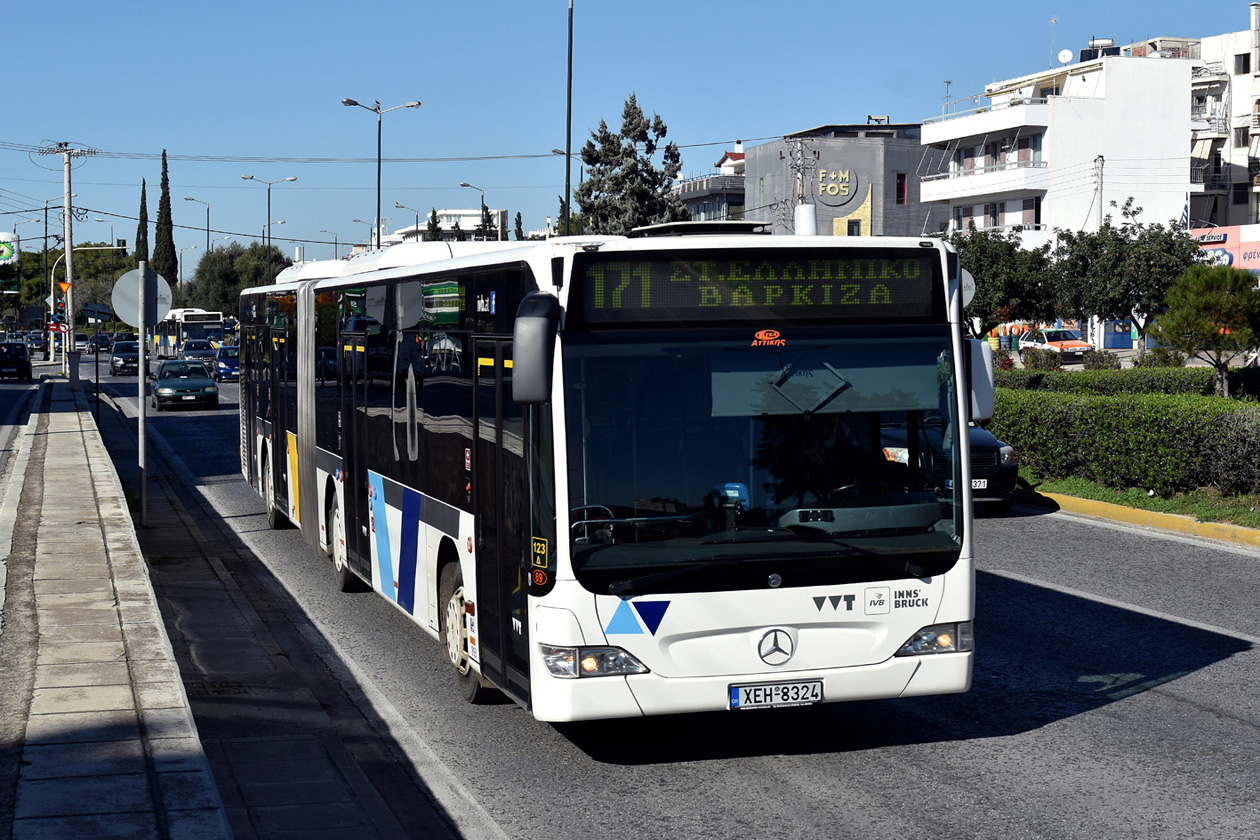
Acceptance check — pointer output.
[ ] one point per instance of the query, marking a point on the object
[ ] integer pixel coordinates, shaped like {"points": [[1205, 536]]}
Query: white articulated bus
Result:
{"points": [[634, 476]]}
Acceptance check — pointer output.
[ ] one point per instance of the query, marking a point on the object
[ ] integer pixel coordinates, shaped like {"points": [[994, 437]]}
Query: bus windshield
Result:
{"points": [[202, 331], [721, 462]]}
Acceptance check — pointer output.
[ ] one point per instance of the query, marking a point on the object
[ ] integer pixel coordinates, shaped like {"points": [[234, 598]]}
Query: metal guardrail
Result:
{"points": [[1014, 102]]}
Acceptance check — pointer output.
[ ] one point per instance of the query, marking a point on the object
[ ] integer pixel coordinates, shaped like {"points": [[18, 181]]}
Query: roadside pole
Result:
{"points": [[141, 402]]}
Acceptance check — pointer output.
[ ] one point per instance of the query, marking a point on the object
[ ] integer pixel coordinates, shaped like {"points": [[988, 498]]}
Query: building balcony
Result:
{"points": [[710, 185], [999, 118], [1011, 178]]}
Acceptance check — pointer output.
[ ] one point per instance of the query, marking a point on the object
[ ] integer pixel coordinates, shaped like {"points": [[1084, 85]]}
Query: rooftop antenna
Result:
{"points": [[945, 104], [1054, 26]]}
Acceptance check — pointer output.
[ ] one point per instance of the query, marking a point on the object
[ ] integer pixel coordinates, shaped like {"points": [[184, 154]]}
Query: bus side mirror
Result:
{"points": [[980, 376], [533, 348]]}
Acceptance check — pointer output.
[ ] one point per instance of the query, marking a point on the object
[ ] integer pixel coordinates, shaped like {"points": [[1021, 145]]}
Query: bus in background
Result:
{"points": [[180, 325], [635, 476]]}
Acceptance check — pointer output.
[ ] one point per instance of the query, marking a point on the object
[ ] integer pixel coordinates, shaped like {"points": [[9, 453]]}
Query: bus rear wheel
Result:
{"points": [[347, 580], [275, 519], [454, 636]]}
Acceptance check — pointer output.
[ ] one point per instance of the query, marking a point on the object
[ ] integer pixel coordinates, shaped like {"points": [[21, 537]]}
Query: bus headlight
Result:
{"points": [[940, 638], [574, 662]]}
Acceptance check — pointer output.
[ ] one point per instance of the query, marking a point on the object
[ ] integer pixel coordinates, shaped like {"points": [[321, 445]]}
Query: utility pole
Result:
{"points": [[1098, 168], [68, 153]]}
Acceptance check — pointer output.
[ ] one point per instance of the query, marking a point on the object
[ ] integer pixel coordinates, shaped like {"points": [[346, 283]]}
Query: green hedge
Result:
{"points": [[1161, 442], [1244, 383]]}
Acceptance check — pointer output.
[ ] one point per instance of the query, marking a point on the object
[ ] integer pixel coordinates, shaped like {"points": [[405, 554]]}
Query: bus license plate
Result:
{"points": [[979, 484], [775, 695]]}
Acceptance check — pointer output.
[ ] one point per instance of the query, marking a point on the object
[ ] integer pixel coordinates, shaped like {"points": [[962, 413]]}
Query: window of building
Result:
{"points": [[855, 227], [1240, 193], [1242, 136], [901, 188], [1242, 63]]}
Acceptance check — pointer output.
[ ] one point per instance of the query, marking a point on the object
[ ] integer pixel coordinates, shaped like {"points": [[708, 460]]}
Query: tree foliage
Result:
{"points": [[1213, 315], [520, 229], [221, 275], [1012, 284], [623, 188], [165, 260], [1125, 271], [434, 231], [142, 229]]}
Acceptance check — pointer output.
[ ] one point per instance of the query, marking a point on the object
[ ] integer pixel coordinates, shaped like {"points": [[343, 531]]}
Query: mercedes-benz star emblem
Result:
{"points": [[775, 647]]}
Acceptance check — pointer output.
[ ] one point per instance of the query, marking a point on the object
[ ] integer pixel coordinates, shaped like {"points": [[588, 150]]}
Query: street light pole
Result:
{"points": [[181, 261], [336, 248], [413, 210], [369, 227], [267, 235], [266, 245], [483, 205], [207, 206], [376, 109]]}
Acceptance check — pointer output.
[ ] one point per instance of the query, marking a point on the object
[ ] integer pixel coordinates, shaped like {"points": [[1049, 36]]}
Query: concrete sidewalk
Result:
{"points": [[93, 699]]}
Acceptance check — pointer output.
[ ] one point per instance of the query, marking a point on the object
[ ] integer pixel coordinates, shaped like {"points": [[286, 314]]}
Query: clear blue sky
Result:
{"points": [[232, 88]]}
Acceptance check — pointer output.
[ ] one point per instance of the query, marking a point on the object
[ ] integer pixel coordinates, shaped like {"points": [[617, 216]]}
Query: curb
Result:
{"points": [[1176, 523]]}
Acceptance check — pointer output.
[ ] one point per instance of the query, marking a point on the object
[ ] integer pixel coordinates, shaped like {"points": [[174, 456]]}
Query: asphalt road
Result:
{"points": [[1114, 696]]}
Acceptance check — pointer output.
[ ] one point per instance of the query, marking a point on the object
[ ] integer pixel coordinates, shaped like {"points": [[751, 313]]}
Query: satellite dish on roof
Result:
{"points": [[1065, 56]]}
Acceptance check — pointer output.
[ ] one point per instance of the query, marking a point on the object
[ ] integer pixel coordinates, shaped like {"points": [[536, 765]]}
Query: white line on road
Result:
{"points": [[1111, 602]]}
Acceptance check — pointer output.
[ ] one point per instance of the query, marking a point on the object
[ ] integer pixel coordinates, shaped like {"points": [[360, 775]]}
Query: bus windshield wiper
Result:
{"points": [[623, 587]]}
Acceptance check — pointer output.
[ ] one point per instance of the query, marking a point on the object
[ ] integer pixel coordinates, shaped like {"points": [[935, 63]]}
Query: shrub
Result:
{"points": [[1153, 441], [1233, 453], [1198, 381], [1160, 357], [1035, 358], [1101, 360]]}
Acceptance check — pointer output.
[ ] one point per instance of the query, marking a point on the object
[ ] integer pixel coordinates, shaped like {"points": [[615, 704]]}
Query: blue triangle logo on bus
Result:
{"points": [[623, 621], [651, 612]]}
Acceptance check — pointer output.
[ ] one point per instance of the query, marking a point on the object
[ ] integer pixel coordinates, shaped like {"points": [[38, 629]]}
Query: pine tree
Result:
{"points": [[623, 189], [142, 229], [165, 260], [434, 231], [520, 229]]}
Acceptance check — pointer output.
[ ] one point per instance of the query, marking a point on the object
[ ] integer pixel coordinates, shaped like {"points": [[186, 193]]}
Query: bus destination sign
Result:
{"points": [[766, 284]]}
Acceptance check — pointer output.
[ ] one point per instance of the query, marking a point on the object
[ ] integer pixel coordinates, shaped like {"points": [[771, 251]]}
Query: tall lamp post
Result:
{"points": [[207, 206], [268, 225], [336, 246], [376, 109], [181, 261], [369, 227], [483, 204], [267, 236], [413, 210], [16, 244]]}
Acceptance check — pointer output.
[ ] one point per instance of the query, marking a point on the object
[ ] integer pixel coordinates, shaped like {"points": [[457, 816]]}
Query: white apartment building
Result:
{"points": [[1055, 148], [1173, 123]]}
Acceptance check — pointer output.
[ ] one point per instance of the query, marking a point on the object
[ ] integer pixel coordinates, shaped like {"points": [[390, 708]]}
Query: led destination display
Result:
{"points": [[766, 284]]}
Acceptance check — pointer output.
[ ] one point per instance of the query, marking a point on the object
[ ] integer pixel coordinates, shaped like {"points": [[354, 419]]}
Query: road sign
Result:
{"points": [[97, 311], [66, 327], [126, 298], [65, 287]]}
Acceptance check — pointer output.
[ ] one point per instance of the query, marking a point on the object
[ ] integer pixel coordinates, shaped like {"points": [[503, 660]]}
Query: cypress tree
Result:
{"points": [[165, 261], [142, 229]]}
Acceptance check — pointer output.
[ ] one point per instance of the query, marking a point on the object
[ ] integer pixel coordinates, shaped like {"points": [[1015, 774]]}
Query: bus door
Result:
{"points": [[281, 410], [249, 402], [354, 449], [502, 516]]}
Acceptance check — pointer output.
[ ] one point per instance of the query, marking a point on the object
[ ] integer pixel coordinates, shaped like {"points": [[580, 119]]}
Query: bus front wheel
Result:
{"points": [[275, 519], [455, 636]]}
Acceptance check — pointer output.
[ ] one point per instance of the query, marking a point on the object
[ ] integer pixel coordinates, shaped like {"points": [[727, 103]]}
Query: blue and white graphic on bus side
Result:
{"points": [[401, 562]]}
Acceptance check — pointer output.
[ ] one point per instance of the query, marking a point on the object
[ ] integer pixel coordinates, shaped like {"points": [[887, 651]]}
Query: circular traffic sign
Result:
{"points": [[126, 297]]}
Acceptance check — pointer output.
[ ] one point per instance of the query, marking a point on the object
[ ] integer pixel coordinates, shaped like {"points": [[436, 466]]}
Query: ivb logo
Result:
{"points": [[768, 338]]}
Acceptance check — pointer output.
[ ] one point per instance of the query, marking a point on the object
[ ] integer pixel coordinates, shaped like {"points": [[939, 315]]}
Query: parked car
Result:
{"points": [[100, 343], [1067, 343], [124, 358], [183, 382], [227, 364], [81, 342], [199, 349], [994, 467], [15, 361]]}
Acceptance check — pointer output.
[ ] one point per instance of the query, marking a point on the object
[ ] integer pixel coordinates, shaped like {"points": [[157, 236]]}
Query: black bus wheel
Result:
{"points": [[347, 580], [454, 636]]}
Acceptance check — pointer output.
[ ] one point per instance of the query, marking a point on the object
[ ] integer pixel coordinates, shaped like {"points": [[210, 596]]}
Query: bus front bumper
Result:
{"points": [[560, 700]]}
